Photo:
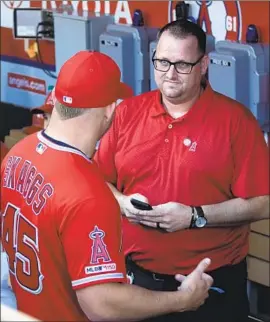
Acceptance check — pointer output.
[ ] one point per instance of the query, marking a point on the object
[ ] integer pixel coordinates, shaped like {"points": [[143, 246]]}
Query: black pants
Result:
{"points": [[230, 306]]}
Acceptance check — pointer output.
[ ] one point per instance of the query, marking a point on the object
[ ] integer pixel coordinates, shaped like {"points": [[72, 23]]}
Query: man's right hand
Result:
{"points": [[128, 209], [195, 286]]}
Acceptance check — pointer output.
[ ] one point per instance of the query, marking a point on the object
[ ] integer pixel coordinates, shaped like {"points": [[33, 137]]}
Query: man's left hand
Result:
{"points": [[171, 216]]}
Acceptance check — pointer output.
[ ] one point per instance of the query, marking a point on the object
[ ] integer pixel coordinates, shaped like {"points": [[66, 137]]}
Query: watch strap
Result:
{"points": [[194, 217], [196, 213], [199, 211]]}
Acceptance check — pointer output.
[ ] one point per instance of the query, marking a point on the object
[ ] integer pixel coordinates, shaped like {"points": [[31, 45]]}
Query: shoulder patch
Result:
{"points": [[99, 248]]}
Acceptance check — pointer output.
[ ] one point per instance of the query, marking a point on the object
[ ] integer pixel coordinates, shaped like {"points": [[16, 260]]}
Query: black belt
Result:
{"points": [[155, 276]]}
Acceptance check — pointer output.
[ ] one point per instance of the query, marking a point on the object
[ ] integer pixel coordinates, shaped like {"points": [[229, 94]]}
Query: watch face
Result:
{"points": [[200, 222]]}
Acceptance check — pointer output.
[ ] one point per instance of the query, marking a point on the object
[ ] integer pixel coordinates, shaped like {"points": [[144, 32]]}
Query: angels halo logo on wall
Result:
{"points": [[221, 19], [12, 4]]}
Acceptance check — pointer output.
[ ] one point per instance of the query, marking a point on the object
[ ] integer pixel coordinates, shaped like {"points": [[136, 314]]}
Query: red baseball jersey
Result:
{"points": [[61, 227], [213, 153], [3, 152]]}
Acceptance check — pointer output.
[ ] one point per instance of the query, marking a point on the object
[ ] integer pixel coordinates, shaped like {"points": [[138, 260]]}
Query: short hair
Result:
{"points": [[183, 28], [66, 112]]}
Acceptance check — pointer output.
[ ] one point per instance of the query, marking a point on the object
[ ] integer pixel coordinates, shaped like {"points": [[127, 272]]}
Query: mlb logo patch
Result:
{"points": [[67, 99], [41, 148]]}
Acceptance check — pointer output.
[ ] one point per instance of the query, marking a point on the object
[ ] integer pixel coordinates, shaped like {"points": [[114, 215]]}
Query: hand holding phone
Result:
{"points": [[144, 206], [140, 204]]}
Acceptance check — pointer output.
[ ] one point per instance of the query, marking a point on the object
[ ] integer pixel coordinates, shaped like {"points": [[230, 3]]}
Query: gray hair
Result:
{"points": [[66, 112]]}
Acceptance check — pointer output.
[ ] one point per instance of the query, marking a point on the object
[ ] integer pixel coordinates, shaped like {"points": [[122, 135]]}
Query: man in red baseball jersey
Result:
{"points": [[61, 223], [41, 118], [200, 159]]}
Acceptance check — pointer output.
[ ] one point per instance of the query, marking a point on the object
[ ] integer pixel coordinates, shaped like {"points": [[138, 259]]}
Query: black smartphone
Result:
{"points": [[140, 204]]}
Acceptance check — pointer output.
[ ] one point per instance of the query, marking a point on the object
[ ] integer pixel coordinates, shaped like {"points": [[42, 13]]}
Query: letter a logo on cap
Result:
{"points": [[67, 99]]}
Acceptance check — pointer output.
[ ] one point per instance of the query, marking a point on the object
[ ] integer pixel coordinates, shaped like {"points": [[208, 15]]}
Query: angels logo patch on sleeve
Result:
{"points": [[99, 248]]}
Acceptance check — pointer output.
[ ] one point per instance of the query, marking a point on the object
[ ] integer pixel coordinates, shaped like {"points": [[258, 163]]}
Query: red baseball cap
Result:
{"points": [[47, 107], [90, 79]]}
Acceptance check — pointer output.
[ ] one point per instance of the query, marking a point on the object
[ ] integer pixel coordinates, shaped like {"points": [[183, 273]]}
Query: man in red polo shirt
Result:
{"points": [[62, 225], [200, 159]]}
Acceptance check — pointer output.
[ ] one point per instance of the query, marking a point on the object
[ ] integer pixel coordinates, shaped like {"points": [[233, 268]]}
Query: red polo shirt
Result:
{"points": [[214, 153]]}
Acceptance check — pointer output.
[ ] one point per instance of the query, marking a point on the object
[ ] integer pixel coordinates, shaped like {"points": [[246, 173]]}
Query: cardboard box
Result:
{"points": [[262, 227], [259, 246], [17, 134], [258, 271], [10, 141], [14, 137]]}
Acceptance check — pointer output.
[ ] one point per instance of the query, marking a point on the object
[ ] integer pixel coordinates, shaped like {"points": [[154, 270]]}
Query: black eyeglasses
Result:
{"points": [[182, 67]]}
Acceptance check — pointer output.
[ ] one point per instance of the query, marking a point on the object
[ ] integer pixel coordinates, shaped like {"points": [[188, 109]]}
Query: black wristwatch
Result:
{"points": [[198, 219]]}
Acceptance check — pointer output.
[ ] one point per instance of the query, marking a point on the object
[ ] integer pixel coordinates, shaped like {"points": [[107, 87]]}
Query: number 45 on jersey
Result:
{"points": [[20, 241]]}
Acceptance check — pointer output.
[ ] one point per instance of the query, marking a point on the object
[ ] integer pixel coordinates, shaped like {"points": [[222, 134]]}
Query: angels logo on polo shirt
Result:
{"points": [[99, 248], [221, 19]]}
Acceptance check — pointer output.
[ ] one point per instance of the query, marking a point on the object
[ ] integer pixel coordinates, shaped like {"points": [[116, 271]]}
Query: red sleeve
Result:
{"points": [[251, 159], [105, 154], [91, 235]]}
